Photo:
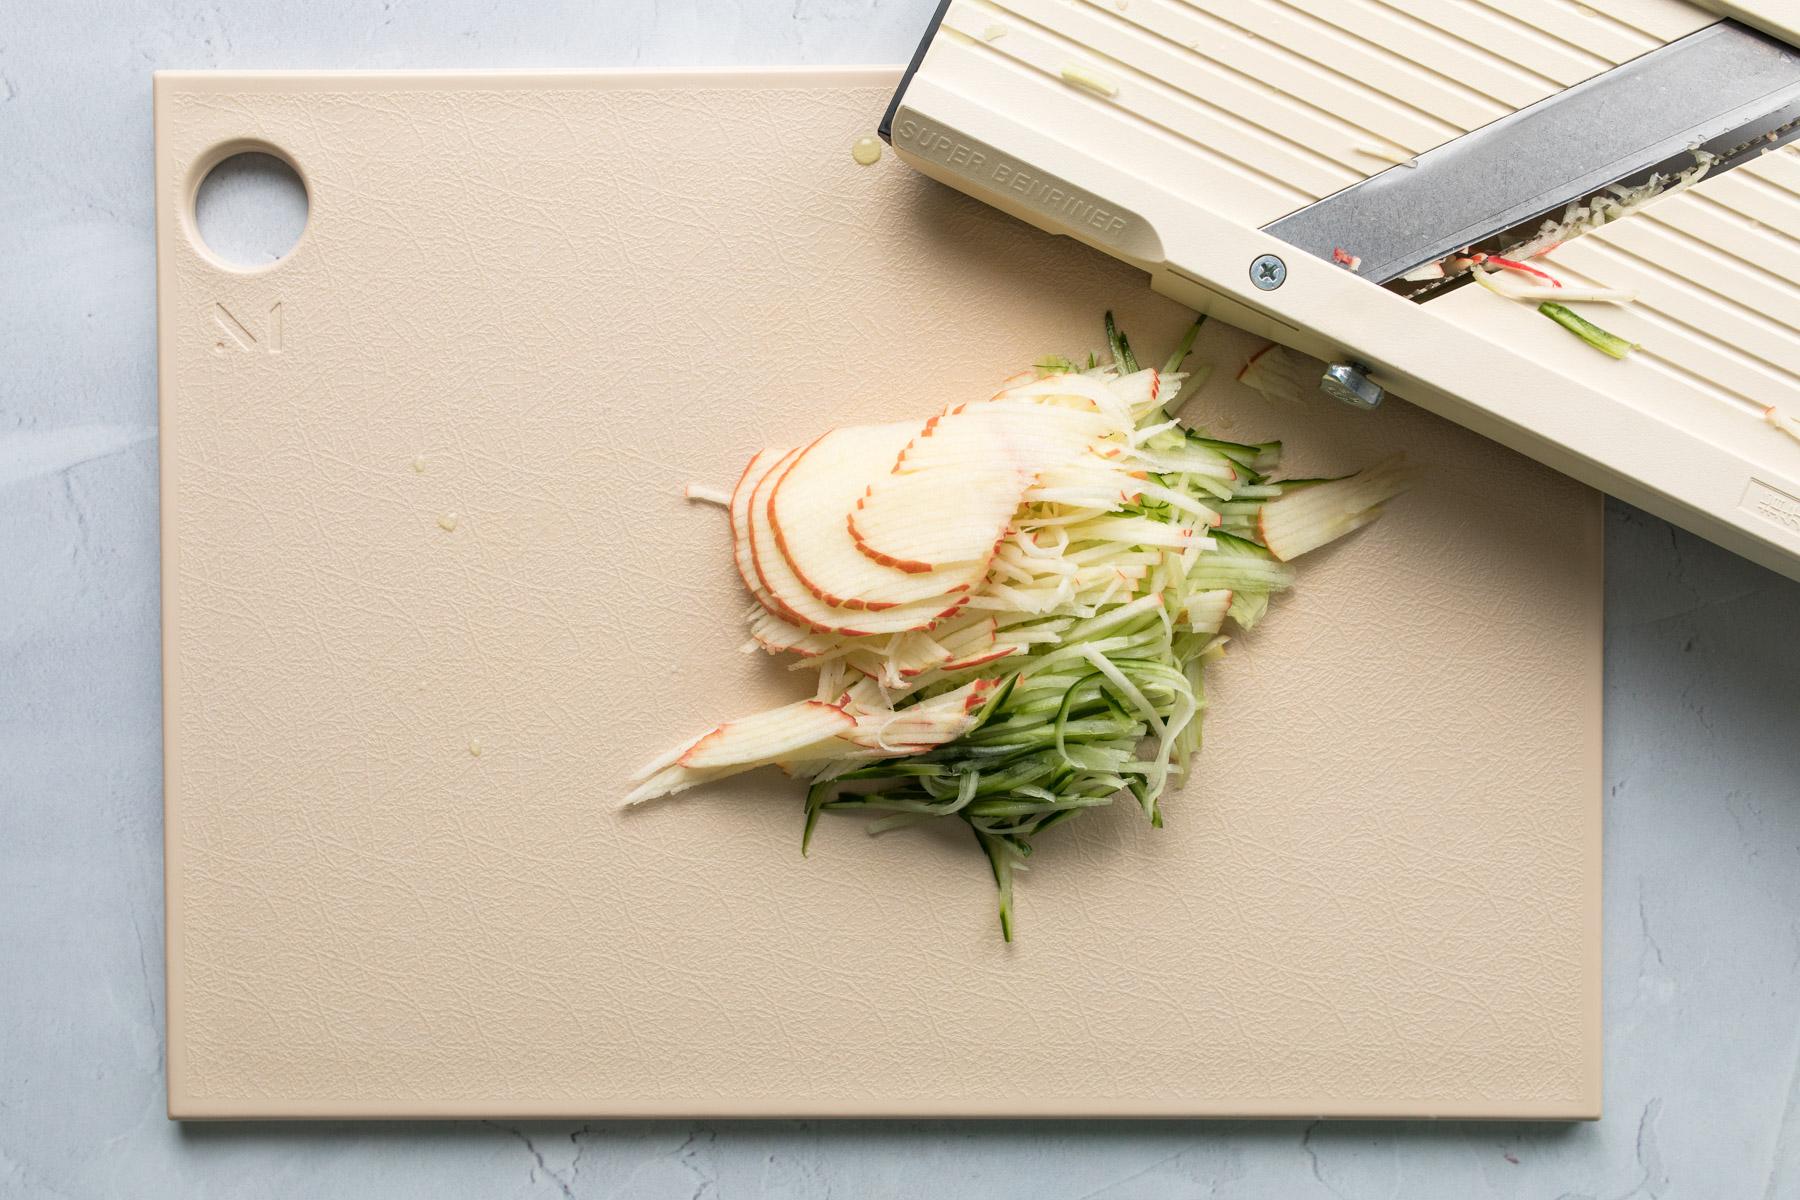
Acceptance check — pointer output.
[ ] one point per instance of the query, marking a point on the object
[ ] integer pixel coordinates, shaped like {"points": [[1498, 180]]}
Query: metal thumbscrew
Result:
{"points": [[1268, 272], [1350, 383]]}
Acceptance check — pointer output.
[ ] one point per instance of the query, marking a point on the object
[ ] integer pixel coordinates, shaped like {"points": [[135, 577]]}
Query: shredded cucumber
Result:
{"points": [[1610, 344], [1121, 349]]}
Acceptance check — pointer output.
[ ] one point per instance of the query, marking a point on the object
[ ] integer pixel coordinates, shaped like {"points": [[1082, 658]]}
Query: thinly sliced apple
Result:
{"points": [[793, 731], [1015, 381], [1091, 480], [739, 508], [1205, 611], [994, 654], [948, 501], [1141, 391], [1281, 374], [671, 779], [924, 725], [1002, 434], [1092, 391], [787, 597], [808, 507], [777, 636], [969, 637], [913, 654], [967, 640], [976, 647], [933, 521], [955, 487], [1122, 398], [1306, 517], [806, 731], [1139, 531]]}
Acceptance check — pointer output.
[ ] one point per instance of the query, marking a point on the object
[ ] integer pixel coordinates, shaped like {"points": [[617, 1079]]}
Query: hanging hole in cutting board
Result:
{"points": [[251, 209]]}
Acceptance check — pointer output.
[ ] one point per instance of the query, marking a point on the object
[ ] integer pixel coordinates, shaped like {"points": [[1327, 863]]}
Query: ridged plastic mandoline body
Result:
{"points": [[1169, 132]]}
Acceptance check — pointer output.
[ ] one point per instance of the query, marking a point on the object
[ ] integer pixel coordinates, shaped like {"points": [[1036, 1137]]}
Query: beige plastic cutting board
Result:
{"points": [[544, 302]]}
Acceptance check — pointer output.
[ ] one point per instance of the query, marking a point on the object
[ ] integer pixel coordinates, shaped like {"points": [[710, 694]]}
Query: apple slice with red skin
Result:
{"points": [[975, 646], [1017, 380], [1205, 611], [1305, 517], [776, 636], [946, 502], [788, 732], [807, 510], [807, 730], [953, 517], [782, 592], [739, 509], [913, 654], [925, 725], [812, 731], [1141, 390], [1119, 398], [955, 487], [936, 521]]}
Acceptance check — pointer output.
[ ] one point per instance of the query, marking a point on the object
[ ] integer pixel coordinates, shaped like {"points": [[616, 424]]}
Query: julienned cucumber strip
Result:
{"points": [[1247, 607], [1610, 344], [1184, 347], [1263, 457], [1121, 349], [1076, 673], [1000, 858], [1239, 564]]}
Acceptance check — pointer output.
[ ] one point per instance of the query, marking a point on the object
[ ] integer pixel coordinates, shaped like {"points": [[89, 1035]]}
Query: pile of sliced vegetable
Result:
{"points": [[1009, 605]]}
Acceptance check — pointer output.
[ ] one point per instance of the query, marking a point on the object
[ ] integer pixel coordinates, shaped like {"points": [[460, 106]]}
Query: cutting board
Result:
{"points": [[431, 591]]}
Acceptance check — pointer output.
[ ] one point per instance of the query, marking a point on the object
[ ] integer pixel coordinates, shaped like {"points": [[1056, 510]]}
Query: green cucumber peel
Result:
{"points": [[1609, 344]]}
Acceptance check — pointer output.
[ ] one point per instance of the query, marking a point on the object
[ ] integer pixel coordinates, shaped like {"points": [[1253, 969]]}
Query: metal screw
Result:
{"points": [[1268, 272], [1350, 383]]}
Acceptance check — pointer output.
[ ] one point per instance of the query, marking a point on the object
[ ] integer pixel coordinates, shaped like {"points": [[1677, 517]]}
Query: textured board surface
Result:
{"points": [[542, 303]]}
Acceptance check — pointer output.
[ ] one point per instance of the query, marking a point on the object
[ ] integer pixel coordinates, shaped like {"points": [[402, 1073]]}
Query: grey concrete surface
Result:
{"points": [[1703, 743]]}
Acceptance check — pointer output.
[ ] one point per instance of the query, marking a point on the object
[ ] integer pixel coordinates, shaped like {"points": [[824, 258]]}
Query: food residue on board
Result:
{"points": [[866, 151], [1388, 156], [1085, 79], [707, 495], [1781, 421], [447, 522], [993, 33]]}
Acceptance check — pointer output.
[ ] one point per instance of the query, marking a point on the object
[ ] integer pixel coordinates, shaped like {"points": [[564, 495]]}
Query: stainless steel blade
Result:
{"points": [[1726, 89]]}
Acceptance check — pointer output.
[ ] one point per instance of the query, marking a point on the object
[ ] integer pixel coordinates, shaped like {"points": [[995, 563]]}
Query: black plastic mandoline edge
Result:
{"points": [[886, 128]]}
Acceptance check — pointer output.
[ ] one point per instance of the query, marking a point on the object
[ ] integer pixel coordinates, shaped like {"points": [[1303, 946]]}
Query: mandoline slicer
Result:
{"points": [[1322, 171]]}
